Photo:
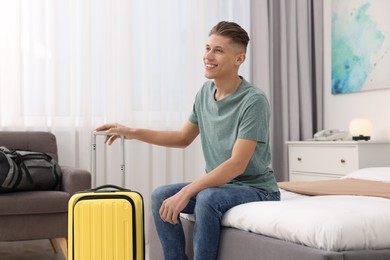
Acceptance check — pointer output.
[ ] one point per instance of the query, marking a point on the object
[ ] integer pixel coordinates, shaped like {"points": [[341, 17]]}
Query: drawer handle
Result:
{"points": [[299, 159], [342, 161]]}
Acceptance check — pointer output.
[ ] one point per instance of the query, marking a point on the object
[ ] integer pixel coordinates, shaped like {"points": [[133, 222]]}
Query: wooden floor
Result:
{"points": [[33, 250]]}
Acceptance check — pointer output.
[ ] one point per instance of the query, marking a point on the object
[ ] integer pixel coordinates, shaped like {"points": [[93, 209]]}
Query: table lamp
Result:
{"points": [[360, 129]]}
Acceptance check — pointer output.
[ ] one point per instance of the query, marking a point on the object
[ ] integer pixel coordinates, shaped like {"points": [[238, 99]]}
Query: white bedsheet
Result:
{"points": [[332, 223]]}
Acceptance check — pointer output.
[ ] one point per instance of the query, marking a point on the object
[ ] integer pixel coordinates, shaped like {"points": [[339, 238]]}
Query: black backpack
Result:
{"points": [[27, 170]]}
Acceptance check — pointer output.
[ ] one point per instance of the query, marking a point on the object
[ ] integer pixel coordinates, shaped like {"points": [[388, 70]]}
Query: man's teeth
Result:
{"points": [[210, 66]]}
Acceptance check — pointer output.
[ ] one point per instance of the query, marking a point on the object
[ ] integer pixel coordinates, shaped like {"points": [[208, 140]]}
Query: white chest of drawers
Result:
{"points": [[312, 160]]}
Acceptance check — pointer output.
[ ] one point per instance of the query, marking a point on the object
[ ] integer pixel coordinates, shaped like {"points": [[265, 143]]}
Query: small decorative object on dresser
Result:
{"points": [[313, 160]]}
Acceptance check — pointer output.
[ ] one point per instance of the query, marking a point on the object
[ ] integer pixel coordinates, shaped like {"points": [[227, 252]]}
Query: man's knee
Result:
{"points": [[158, 195], [205, 195], [206, 199]]}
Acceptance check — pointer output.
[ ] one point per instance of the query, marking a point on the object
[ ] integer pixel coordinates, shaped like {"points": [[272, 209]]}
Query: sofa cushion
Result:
{"points": [[44, 142], [33, 202]]}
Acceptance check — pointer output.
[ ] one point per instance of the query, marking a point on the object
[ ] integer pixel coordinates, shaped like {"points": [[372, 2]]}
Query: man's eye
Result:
{"points": [[218, 51]]}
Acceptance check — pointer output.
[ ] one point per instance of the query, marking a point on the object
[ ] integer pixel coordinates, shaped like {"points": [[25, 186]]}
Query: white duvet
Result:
{"points": [[332, 223]]}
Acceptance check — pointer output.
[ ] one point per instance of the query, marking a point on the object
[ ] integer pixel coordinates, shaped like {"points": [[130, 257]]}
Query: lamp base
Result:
{"points": [[360, 137]]}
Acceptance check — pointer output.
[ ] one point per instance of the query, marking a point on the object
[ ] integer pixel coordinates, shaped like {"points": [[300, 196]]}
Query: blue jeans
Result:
{"points": [[209, 205]]}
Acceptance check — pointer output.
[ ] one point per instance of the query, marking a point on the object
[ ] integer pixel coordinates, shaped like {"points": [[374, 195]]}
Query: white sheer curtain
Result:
{"points": [[68, 66]]}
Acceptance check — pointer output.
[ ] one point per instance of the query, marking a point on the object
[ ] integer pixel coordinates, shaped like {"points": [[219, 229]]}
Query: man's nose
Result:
{"points": [[208, 55]]}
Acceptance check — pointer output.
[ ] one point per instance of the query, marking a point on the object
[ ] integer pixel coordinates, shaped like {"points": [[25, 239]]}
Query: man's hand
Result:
{"points": [[114, 131], [171, 207]]}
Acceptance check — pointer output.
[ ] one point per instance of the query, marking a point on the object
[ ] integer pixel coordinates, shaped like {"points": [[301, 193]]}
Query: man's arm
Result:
{"points": [[242, 152], [179, 139]]}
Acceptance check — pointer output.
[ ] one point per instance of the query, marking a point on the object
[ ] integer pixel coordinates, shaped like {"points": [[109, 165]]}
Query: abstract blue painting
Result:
{"points": [[360, 45]]}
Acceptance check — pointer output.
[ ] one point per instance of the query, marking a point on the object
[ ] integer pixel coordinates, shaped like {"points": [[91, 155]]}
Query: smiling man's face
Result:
{"points": [[222, 58]]}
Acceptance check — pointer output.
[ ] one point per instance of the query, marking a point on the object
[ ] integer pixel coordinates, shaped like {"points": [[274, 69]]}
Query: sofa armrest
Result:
{"points": [[74, 180]]}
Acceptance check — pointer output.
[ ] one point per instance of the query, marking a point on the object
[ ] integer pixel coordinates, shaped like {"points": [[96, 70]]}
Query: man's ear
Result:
{"points": [[240, 58]]}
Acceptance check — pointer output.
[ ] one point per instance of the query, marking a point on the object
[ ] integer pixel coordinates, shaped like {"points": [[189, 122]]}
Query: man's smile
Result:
{"points": [[210, 66]]}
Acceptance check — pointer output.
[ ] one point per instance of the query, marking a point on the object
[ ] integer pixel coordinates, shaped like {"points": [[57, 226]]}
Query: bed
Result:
{"points": [[350, 220]]}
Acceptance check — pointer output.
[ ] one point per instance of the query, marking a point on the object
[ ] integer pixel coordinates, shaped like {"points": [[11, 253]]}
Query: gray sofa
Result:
{"points": [[34, 215]]}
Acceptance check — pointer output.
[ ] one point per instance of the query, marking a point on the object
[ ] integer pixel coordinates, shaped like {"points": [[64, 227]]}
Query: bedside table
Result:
{"points": [[324, 160]]}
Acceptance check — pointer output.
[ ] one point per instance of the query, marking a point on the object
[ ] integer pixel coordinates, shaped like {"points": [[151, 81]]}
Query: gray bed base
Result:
{"points": [[241, 245]]}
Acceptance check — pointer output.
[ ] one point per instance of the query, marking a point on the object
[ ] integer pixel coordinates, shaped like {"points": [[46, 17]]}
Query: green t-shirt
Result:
{"points": [[244, 114]]}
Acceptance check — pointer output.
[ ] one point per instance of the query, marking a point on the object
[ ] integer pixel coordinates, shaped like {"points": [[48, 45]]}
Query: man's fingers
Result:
{"points": [[167, 215], [175, 218], [111, 138], [104, 127]]}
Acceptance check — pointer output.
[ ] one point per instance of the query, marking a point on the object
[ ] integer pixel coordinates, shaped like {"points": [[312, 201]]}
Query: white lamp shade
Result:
{"points": [[360, 126]]}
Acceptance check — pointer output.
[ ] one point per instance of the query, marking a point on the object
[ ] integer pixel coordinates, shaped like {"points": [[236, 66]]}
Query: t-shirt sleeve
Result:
{"points": [[254, 122], [194, 116]]}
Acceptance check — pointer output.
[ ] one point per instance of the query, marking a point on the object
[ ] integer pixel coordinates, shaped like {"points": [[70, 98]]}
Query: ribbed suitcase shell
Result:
{"points": [[106, 225]]}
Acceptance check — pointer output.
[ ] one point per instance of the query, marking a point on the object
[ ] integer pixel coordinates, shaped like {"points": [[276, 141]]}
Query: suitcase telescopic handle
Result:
{"points": [[93, 159], [107, 186]]}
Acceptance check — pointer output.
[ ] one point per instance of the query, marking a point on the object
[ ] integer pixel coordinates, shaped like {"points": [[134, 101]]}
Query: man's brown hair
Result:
{"points": [[233, 31]]}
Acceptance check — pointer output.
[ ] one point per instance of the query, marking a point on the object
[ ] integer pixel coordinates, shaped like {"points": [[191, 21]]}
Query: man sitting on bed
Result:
{"points": [[232, 118]]}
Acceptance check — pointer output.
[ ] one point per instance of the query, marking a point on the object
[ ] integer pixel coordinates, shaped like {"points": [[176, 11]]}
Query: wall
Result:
{"points": [[340, 109]]}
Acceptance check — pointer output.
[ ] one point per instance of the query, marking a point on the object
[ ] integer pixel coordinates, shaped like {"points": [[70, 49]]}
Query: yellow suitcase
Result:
{"points": [[106, 223]]}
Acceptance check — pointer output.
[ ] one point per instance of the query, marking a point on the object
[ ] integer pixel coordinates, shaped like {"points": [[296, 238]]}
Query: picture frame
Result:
{"points": [[360, 45]]}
